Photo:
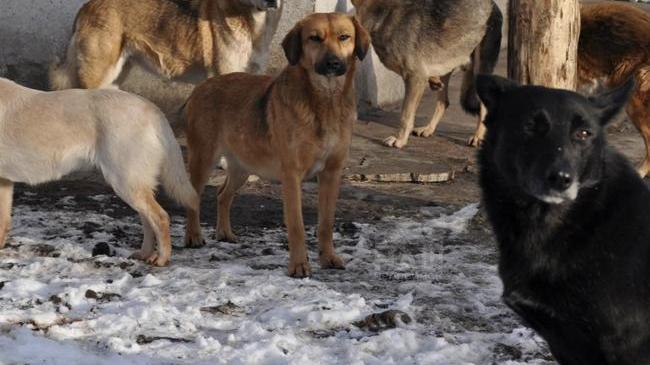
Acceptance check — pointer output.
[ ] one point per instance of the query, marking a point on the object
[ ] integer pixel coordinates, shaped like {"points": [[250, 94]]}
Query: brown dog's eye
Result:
{"points": [[583, 134], [344, 37], [315, 38]]}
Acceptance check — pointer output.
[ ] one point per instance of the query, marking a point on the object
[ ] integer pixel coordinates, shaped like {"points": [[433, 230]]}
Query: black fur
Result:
{"points": [[489, 49], [577, 271]]}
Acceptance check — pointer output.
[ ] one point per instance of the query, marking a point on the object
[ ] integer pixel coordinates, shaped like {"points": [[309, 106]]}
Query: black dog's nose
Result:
{"points": [[560, 180], [272, 3]]}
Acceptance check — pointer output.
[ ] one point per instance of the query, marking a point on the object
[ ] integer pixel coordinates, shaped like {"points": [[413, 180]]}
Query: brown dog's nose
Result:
{"points": [[331, 65]]}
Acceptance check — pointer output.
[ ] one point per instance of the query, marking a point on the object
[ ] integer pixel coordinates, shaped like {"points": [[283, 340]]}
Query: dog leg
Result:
{"points": [[292, 204], [639, 112], [236, 179], [415, 87], [328, 191], [479, 135], [100, 60], [442, 102], [148, 242], [157, 220], [200, 165], [6, 200]]}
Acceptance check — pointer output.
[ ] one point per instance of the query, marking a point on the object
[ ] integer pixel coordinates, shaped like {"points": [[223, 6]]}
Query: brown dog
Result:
{"points": [[287, 128], [614, 46]]}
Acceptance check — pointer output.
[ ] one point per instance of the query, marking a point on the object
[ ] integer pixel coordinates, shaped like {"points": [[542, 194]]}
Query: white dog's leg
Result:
{"points": [[6, 198], [148, 242]]}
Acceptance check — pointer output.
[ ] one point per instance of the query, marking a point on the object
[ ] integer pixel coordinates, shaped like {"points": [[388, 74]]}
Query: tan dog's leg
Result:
{"points": [[479, 135], [156, 218], [100, 60], [6, 199], [415, 87], [442, 102], [292, 204], [200, 161], [329, 182], [235, 180]]}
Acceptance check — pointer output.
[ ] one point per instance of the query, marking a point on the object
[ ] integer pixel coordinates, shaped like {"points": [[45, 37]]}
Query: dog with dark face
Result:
{"points": [[289, 128], [571, 220]]}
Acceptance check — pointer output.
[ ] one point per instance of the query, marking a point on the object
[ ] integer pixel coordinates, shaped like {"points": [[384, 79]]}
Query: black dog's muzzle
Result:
{"points": [[331, 65]]}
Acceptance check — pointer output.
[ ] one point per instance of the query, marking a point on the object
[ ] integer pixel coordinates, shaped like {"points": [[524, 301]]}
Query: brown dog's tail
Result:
{"points": [[484, 60]]}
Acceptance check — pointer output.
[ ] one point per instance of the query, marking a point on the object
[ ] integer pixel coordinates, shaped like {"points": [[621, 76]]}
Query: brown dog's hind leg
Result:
{"points": [[201, 162], [100, 60], [235, 180], [328, 191], [292, 206], [442, 102], [415, 87], [6, 200], [639, 112]]}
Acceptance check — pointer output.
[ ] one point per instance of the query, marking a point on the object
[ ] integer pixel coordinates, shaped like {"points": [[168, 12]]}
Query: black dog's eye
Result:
{"points": [[344, 37], [315, 38], [582, 134]]}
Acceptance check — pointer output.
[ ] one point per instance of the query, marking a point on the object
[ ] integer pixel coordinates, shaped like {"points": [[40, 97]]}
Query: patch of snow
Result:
{"points": [[234, 304]]}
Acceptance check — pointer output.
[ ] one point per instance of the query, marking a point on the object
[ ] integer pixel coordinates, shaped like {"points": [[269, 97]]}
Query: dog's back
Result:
{"points": [[571, 220]]}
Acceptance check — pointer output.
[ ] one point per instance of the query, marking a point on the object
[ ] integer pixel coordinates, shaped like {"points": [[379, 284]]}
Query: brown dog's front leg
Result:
{"points": [[292, 203], [6, 200], [329, 182]]}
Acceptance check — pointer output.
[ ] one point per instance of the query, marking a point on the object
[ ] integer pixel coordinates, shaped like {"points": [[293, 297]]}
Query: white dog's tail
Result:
{"points": [[63, 73], [173, 175]]}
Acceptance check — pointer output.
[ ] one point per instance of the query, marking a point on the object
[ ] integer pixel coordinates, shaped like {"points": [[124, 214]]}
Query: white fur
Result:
{"points": [[46, 135], [558, 198]]}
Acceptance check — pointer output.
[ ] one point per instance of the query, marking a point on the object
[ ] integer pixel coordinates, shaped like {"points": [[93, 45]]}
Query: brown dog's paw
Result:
{"points": [[223, 236], [150, 258], [474, 141], [425, 132], [194, 241], [156, 260], [331, 262], [392, 141], [299, 270]]}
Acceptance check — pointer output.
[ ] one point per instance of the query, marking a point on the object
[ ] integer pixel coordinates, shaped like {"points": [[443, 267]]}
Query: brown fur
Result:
{"points": [[614, 46], [287, 128], [176, 38]]}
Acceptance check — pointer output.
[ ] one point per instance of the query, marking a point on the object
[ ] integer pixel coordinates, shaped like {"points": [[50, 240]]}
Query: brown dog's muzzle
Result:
{"points": [[331, 65]]}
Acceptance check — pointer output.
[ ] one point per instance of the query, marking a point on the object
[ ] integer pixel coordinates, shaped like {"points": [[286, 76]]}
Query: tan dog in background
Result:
{"points": [[191, 39], [614, 46], [287, 128]]}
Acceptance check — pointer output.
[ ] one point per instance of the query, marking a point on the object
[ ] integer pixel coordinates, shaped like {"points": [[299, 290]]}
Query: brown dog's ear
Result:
{"points": [[361, 40], [292, 45]]}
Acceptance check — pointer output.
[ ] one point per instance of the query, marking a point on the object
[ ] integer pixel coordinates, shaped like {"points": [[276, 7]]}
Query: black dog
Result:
{"points": [[572, 221]]}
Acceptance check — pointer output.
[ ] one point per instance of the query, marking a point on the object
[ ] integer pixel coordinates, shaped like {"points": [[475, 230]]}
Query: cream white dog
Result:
{"points": [[46, 135]]}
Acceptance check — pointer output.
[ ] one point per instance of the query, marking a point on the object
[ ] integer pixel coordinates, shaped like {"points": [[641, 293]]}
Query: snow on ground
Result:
{"points": [[233, 303]]}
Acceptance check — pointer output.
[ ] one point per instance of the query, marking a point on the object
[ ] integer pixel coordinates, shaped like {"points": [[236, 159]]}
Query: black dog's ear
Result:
{"points": [[292, 45], [491, 88], [361, 40], [611, 102]]}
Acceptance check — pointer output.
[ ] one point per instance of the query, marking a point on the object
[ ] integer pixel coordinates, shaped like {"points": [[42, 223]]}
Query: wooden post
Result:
{"points": [[543, 42]]}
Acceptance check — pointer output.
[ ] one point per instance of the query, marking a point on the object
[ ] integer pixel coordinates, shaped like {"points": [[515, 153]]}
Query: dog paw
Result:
{"points": [[425, 132], [394, 142], [150, 258], [299, 269], [474, 141], [223, 236], [331, 262], [194, 241], [157, 260]]}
